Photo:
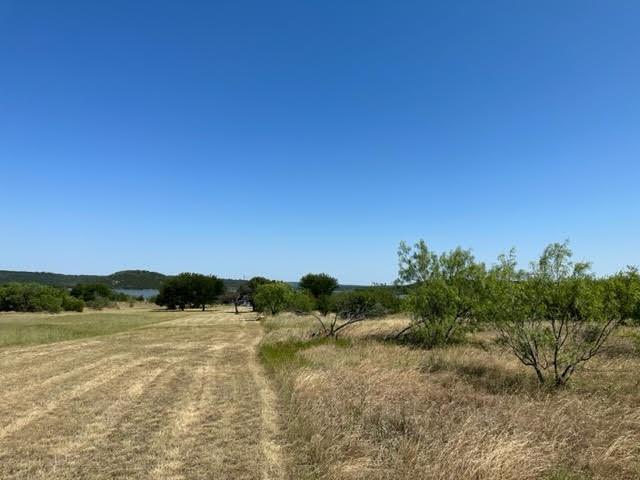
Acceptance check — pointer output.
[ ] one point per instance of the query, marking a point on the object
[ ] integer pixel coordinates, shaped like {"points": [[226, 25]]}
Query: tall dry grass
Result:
{"points": [[364, 409]]}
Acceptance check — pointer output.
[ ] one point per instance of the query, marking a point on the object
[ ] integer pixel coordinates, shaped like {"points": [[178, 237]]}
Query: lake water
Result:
{"points": [[134, 292]]}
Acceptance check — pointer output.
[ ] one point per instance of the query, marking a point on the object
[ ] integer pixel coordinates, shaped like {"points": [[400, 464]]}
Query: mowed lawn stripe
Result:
{"points": [[179, 399]]}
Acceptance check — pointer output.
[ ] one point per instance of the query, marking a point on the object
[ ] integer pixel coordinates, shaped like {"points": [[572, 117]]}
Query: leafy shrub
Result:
{"points": [[445, 296], [273, 297], [100, 302], [33, 297], [558, 316], [358, 303], [90, 292], [72, 304], [301, 302]]}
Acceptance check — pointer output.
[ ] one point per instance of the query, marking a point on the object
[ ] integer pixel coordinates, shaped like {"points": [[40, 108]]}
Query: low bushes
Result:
{"points": [[33, 297], [97, 296]]}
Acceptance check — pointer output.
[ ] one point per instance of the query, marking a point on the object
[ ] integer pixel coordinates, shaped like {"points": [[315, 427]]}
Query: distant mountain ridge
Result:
{"points": [[128, 279]]}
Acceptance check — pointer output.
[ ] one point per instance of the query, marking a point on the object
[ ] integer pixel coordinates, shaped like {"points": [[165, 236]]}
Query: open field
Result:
{"points": [[182, 395], [360, 408], [143, 395], [38, 328]]}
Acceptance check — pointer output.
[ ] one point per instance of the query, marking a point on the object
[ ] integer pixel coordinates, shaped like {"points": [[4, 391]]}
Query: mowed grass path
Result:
{"points": [[172, 395]]}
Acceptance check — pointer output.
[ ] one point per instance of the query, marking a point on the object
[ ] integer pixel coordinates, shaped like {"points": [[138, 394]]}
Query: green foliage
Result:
{"points": [[72, 304], [131, 279], [319, 285], [627, 284], [92, 291], [557, 316], [363, 303], [254, 282], [190, 290], [301, 302], [136, 279], [324, 303], [354, 306], [101, 302], [252, 287], [445, 295], [273, 297], [97, 295], [126, 279], [285, 354], [33, 297]]}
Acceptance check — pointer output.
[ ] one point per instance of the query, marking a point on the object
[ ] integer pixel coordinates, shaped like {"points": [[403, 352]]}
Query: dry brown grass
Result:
{"points": [[182, 399], [372, 410]]}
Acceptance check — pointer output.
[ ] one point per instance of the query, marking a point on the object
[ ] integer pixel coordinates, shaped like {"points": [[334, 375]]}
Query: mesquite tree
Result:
{"points": [[272, 297], [320, 286], [445, 292], [556, 316], [349, 308]]}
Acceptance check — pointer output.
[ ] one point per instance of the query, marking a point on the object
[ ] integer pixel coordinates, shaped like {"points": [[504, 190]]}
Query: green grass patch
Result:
{"points": [[565, 474], [285, 354], [39, 328]]}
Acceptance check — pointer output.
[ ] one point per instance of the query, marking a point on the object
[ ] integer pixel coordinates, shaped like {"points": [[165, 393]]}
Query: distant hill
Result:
{"points": [[130, 279], [127, 279]]}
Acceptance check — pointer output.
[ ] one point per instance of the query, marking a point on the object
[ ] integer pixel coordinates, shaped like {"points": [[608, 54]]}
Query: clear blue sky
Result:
{"points": [[250, 137]]}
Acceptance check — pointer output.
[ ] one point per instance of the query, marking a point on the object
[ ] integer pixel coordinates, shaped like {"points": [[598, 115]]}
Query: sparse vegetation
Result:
{"points": [[365, 408]]}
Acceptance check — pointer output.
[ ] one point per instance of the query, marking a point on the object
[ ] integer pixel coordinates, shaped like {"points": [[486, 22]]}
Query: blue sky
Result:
{"points": [[276, 138]]}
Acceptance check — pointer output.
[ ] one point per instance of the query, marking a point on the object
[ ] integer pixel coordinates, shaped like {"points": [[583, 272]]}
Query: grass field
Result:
{"points": [[360, 408], [139, 394], [38, 328], [142, 395]]}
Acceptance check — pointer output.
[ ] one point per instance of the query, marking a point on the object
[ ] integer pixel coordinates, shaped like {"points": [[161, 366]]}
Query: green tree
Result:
{"points": [[351, 307], [273, 297], [557, 316], [252, 286], [301, 301], [205, 289], [320, 286], [92, 291], [190, 289], [445, 292], [237, 296]]}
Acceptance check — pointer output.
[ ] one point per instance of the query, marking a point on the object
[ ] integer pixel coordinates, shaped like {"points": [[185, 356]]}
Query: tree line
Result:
{"points": [[35, 297], [553, 317]]}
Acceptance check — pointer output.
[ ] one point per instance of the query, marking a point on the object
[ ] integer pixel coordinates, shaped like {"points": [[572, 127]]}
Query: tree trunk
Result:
{"points": [[235, 304], [203, 307], [539, 374]]}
